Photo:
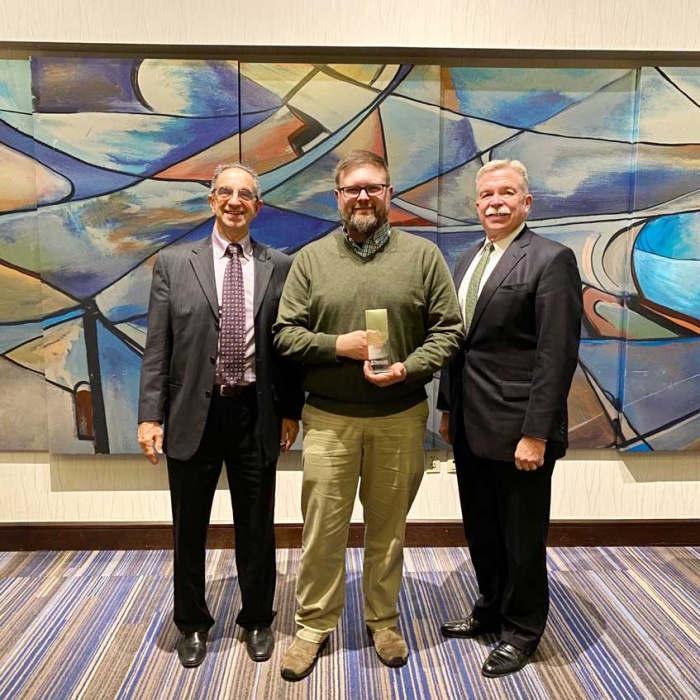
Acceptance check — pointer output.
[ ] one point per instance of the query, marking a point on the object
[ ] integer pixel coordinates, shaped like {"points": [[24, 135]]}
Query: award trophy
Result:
{"points": [[378, 340]]}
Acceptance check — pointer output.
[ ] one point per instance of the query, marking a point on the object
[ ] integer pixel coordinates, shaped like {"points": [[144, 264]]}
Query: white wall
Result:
{"points": [[650, 25], [600, 484], [587, 485]]}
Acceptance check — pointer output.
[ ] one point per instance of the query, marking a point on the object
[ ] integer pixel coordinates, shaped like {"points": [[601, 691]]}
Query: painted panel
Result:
{"points": [[105, 161]]}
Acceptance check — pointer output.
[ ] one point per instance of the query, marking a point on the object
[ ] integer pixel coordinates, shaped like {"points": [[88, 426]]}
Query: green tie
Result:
{"points": [[473, 288]]}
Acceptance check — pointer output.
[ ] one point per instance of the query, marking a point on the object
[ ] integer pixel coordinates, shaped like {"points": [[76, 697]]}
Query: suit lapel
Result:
{"points": [[464, 263], [202, 260], [263, 273], [512, 256]]}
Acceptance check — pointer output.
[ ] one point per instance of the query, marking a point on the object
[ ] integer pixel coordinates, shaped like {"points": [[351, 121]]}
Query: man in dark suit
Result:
{"points": [[213, 391], [504, 402]]}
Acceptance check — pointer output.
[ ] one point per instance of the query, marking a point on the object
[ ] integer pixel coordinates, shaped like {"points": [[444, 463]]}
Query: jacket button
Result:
{"points": [[207, 393], [216, 325], [212, 359]]}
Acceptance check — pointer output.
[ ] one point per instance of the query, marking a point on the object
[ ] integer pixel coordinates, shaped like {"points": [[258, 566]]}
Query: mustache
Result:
{"points": [[503, 209]]}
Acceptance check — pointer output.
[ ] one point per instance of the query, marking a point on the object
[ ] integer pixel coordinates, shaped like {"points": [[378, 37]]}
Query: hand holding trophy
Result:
{"points": [[379, 370], [378, 340]]}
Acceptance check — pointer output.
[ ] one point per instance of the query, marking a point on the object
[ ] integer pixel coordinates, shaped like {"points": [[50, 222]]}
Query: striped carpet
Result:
{"points": [[625, 623]]}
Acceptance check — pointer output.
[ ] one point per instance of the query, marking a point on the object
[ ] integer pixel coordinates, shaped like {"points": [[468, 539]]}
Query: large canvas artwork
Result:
{"points": [[106, 161]]}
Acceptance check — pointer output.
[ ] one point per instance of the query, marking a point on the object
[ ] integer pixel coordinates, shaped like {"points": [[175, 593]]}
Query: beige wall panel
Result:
{"points": [[587, 485], [593, 484], [34, 487], [517, 24]]}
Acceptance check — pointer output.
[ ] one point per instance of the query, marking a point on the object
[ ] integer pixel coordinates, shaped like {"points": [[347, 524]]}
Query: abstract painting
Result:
{"points": [[105, 161]]}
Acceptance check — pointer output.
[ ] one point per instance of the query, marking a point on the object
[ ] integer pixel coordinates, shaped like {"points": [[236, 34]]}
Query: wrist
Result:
{"points": [[539, 439]]}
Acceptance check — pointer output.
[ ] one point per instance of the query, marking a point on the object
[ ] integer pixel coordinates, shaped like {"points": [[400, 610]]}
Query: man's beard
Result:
{"points": [[364, 223]]}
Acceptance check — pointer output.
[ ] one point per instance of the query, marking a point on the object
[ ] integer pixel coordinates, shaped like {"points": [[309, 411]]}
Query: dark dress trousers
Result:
{"points": [[511, 378], [202, 431]]}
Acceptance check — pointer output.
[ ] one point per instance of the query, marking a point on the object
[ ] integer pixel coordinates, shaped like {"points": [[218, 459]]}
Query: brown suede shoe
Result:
{"points": [[390, 646], [300, 658]]}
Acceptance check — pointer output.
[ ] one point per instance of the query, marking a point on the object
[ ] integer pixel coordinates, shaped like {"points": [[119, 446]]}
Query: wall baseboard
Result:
{"points": [[117, 536]]}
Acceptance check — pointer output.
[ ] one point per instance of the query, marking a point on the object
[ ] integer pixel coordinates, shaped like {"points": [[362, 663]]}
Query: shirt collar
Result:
{"points": [[221, 243], [502, 245], [375, 241]]}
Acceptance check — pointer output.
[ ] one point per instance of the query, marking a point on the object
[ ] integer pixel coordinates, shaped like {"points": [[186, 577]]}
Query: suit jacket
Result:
{"points": [[514, 371], [179, 360]]}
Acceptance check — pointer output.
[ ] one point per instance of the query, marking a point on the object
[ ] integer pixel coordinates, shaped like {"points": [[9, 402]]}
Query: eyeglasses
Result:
{"points": [[354, 192], [224, 192]]}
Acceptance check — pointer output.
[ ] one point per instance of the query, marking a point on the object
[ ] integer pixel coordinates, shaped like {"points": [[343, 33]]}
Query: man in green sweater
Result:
{"points": [[360, 425]]}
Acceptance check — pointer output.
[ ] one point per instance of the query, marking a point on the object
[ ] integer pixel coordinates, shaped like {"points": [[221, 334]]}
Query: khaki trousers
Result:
{"points": [[385, 454]]}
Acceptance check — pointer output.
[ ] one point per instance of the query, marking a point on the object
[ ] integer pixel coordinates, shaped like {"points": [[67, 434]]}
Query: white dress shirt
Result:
{"points": [[499, 247]]}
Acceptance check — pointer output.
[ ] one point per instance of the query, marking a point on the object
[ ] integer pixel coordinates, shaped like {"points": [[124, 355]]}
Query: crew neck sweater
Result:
{"points": [[327, 291]]}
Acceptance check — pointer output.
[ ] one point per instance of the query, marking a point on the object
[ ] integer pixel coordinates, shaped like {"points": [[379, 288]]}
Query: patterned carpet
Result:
{"points": [[625, 623]]}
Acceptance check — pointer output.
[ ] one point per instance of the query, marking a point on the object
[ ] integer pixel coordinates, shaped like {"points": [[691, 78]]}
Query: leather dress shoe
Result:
{"points": [[192, 648], [466, 627], [504, 659], [259, 643]]}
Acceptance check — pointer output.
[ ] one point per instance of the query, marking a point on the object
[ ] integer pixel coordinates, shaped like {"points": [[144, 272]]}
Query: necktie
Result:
{"points": [[232, 333], [473, 288]]}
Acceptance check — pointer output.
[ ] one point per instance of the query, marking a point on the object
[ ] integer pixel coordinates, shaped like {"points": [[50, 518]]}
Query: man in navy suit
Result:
{"points": [[504, 410], [192, 407]]}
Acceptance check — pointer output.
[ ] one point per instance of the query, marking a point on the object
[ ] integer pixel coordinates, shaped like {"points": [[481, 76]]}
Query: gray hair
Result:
{"points": [[257, 190], [515, 165]]}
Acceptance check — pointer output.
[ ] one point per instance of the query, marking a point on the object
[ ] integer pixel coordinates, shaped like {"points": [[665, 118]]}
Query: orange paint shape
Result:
{"points": [[604, 328], [269, 145], [367, 136], [679, 319], [201, 166], [399, 217], [30, 181]]}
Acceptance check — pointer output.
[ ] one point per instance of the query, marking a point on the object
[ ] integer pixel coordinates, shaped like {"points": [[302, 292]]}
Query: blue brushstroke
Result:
{"points": [[140, 322], [517, 97], [15, 85], [119, 369], [88, 180], [16, 334], [602, 359], [639, 447], [674, 284], [675, 236], [662, 382], [212, 89], [66, 85], [453, 244], [666, 261], [56, 319], [662, 175], [285, 229]]}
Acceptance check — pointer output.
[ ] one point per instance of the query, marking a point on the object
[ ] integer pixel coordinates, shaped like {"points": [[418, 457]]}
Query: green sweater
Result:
{"points": [[326, 293]]}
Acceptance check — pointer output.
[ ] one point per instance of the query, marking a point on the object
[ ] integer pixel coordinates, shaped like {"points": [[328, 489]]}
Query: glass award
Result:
{"points": [[378, 340]]}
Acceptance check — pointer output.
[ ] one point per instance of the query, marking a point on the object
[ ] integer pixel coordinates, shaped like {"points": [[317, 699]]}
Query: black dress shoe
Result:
{"points": [[259, 643], [466, 627], [504, 659], [192, 648]]}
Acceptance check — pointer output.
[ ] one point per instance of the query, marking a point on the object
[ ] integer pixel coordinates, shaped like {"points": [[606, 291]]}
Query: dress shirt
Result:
{"points": [[219, 246], [375, 241], [499, 247]]}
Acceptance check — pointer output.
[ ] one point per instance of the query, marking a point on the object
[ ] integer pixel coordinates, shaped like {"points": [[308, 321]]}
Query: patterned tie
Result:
{"points": [[232, 333], [473, 288]]}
